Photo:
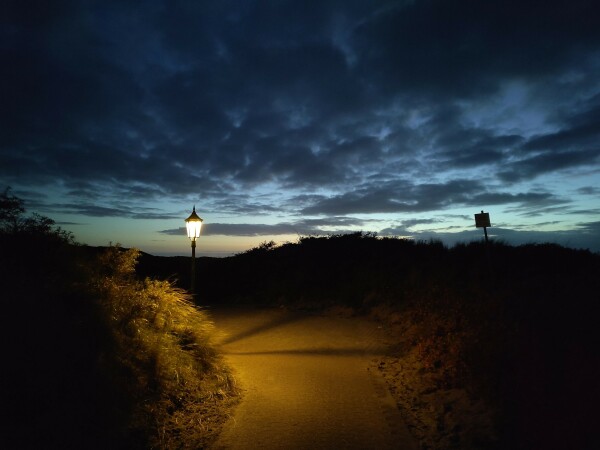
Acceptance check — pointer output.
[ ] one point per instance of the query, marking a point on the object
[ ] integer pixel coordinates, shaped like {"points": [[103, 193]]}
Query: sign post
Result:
{"points": [[483, 221]]}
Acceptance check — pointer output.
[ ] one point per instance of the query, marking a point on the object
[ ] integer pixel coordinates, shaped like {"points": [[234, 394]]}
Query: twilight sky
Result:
{"points": [[286, 118]]}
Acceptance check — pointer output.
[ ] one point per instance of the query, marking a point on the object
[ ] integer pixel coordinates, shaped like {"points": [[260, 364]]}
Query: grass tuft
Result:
{"points": [[163, 350]]}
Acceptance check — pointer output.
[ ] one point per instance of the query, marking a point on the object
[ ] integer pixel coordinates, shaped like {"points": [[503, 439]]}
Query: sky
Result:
{"points": [[282, 119]]}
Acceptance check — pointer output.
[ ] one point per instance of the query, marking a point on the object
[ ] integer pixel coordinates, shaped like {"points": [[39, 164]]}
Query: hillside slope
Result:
{"points": [[511, 329]]}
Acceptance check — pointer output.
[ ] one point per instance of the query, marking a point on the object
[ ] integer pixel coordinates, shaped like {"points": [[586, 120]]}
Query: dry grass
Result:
{"points": [[164, 357]]}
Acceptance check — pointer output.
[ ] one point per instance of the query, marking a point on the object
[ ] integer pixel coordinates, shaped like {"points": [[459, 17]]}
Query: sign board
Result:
{"points": [[482, 220]]}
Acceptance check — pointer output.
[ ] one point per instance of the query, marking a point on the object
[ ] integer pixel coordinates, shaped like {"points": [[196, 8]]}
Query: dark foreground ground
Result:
{"points": [[487, 349], [497, 343]]}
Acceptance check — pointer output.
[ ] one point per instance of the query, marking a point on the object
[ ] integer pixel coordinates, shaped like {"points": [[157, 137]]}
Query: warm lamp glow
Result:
{"points": [[193, 225]]}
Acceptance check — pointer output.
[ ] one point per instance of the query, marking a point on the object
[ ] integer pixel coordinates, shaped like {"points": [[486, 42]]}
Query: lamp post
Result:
{"points": [[193, 224]]}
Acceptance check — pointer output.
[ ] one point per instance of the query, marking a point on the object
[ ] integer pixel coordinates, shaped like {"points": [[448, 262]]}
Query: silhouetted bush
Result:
{"points": [[513, 325], [52, 334], [94, 357]]}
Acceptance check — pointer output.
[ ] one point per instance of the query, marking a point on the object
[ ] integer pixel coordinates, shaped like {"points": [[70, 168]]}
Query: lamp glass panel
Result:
{"points": [[193, 229]]}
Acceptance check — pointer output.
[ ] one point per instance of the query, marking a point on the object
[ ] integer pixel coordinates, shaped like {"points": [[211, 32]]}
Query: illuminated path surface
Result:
{"points": [[306, 383]]}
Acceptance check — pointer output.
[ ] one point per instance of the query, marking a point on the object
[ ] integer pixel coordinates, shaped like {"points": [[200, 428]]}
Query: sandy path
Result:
{"points": [[307, 383]]}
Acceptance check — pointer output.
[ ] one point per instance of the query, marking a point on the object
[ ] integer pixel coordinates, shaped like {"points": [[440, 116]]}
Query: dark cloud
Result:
{"points": [[232, 229], [586, 212], [397, 196], [525, 200], [404, 227], [590, 228], [589, 190], [586, 237], [463, 48], [529, 168], [320, 108], [402, 196], [574, 145], [474, 147], [332, 225], [104, 211], [412, 222]]}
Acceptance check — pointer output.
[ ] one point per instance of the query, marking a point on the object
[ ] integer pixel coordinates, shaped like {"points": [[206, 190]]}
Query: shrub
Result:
{"points": [[163, 356], [96, 358]]}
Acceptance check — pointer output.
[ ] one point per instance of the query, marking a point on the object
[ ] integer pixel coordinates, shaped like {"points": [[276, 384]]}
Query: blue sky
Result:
{"points": [[287, 118]]}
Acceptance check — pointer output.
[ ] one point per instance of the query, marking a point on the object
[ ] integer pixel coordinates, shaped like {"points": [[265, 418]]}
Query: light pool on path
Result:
{"points": [[307, 383]]}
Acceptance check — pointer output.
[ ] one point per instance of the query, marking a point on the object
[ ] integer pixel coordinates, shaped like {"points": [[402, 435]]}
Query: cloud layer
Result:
{"points": [[320, 109]]}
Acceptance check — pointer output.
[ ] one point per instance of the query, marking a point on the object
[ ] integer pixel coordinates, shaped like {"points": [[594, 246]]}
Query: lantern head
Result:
{"points": [[193, 225]]}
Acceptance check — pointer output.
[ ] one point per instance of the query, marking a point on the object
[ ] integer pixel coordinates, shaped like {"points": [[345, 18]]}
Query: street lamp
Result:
{"points": [[193, 225]]}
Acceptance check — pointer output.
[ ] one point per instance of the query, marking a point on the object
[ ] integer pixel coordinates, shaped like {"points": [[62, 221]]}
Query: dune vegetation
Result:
{"points": [[97, 357], [490, 347]]}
